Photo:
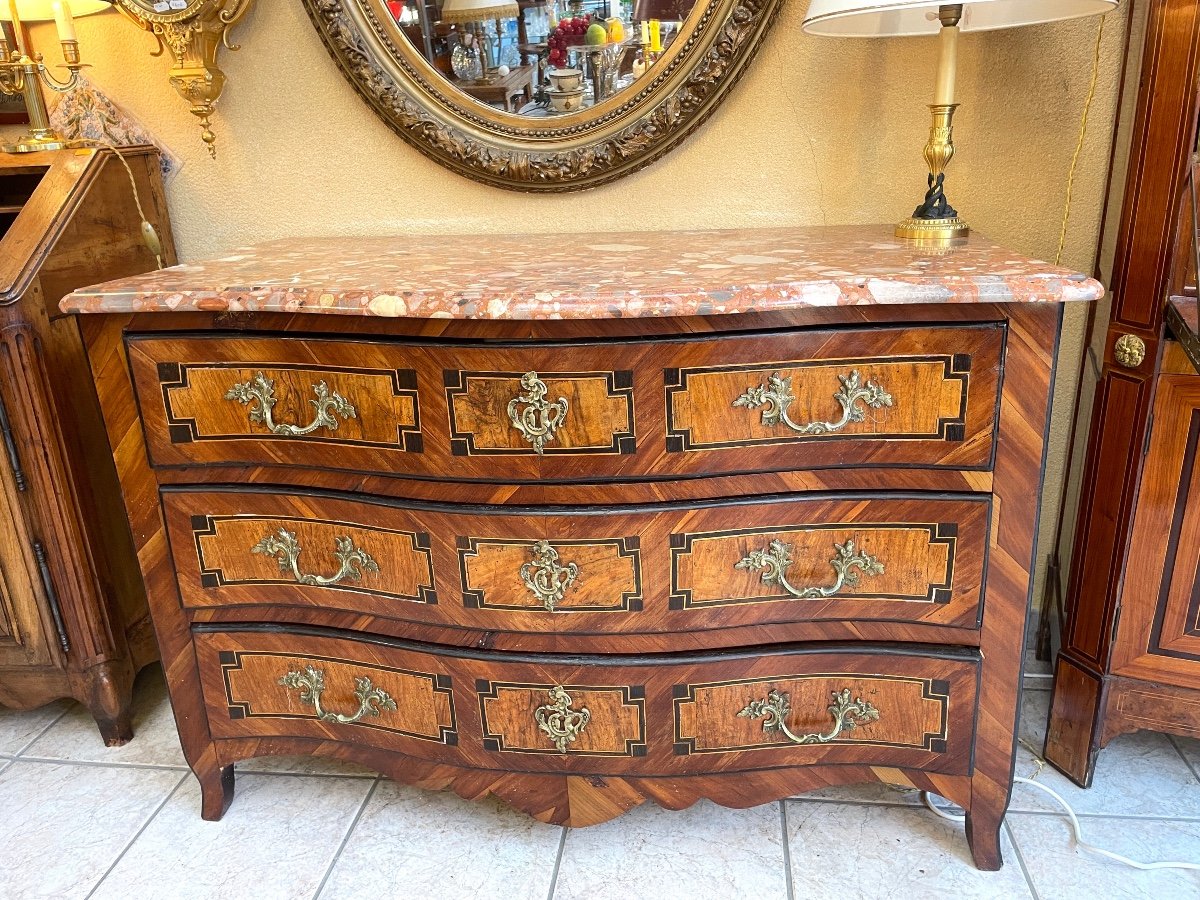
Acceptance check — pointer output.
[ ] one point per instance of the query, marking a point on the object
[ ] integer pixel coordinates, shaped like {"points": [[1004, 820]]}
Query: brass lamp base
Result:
{"points": [[933, 230], [36, 142]]}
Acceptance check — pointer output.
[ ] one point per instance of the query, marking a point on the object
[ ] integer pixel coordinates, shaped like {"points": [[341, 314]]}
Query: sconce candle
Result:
{"points": [[18, 31], [63, 20]]}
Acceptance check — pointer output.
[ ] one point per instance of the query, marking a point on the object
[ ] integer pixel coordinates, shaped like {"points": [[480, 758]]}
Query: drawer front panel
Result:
{"points": [[617, 715], [589, 571], [814, 709], [635, 409], [516, 414], [899, 399], [396, 701]]}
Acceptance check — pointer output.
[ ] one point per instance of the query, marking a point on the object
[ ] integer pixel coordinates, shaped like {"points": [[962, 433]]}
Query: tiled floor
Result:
{"points": [[79, 820]]}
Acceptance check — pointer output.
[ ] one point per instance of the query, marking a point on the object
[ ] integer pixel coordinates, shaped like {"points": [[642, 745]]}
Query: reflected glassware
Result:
{"points": [[465, 63]]}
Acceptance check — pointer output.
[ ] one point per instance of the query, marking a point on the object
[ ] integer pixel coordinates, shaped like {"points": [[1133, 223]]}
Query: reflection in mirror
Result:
{"points": [[541, 58]]}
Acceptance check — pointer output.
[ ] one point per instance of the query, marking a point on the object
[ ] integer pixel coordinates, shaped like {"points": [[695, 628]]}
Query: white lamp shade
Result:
{"points": [[458, 11], [896, 18], [43, 10]]}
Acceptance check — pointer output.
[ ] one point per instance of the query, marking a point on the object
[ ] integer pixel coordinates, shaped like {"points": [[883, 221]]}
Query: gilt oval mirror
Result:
{"points": [[543, 95]]}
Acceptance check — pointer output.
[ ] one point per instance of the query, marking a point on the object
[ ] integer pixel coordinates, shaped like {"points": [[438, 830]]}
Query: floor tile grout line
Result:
{"points": [[1012, 838], [337, 855], [93, 764], [120, 856], [349, 777], [1121, 817], [1187, 762], [1133, 817], [41, 734], [165, 767], [787, 852], [562, 844]]}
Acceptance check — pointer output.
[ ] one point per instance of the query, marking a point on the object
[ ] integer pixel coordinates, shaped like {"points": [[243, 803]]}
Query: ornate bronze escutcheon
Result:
{"points": [[545, 578], [286, 549], [1129, 351], [311, 683], [846, 564], [776, 395], [559, 721], [261, 390], [847, 715], [540, 419]]}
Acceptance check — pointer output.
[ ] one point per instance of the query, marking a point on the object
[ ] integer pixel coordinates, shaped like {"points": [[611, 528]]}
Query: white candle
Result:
{"points": [[943, 94], [16, 23], [63, 20]]}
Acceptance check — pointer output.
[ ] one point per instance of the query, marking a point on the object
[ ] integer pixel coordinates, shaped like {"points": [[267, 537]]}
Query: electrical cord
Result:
{"points": [[149, 233], [1087, 108], [927, 799]]}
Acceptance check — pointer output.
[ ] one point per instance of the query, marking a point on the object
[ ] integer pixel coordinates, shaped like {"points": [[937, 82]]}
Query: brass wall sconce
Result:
{"points": [[935, 220], [22, 70], [194, 31]]}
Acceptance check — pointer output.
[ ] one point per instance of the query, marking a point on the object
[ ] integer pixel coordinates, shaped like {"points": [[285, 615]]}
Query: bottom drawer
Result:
{"points": [[641, 716]]}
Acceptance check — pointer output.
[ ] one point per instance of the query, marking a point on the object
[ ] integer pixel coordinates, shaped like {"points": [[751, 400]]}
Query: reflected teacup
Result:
{"points": [[565, 80], [566, 101]]}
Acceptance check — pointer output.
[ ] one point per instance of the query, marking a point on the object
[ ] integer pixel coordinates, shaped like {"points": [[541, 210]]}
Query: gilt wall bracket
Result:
{"points": [[193, 33]]}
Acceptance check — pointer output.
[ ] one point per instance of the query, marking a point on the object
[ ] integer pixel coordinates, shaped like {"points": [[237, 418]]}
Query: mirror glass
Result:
{"points": [[541, 59]]}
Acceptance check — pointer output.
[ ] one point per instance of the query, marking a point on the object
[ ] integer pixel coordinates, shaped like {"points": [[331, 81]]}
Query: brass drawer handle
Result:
{"points": [[329, 406], [311, 683], [545, 578], [559, 721], [286, 550], [540, 419], [777, 558], [846, 715], [776, 395]]}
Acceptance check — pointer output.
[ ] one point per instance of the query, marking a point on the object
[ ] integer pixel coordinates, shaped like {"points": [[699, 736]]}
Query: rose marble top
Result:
{"points": [[678, 273]]}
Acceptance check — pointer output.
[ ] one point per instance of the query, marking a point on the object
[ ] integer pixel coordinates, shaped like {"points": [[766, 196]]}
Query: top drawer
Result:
{"points": [[922, 396]]}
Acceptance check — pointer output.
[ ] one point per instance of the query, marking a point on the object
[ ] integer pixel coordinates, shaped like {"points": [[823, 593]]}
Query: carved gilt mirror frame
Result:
{"points": [[564, 153]]}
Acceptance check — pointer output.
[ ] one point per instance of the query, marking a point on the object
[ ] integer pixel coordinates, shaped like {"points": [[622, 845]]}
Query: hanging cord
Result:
{"points": [[1087, 108], [927, 799], [149, 234]]}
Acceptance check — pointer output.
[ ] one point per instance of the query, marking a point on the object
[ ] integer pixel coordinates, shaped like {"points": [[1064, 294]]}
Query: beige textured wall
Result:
{"points": [[819, 131]]}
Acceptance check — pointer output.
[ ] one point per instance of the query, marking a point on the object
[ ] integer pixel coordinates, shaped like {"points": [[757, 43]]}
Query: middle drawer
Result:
{"points": [[627, 570]]}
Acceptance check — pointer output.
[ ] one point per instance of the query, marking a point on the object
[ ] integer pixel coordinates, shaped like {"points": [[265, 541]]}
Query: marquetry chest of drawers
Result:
{"points": [[725, 515]]}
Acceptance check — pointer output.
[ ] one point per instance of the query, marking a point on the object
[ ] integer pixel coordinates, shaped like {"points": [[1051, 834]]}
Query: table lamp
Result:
{"points": [[464, 12], [935, 220], [23, 72]]}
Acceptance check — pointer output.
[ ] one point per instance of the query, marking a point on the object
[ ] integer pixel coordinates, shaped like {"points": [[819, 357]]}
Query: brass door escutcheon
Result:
{"points": [[311, 683], [539, 420], [261, 389], [559, 721], [1129, 351], [776, 395], [286, 550], [545, 578], [846, 564], [847, 715]]}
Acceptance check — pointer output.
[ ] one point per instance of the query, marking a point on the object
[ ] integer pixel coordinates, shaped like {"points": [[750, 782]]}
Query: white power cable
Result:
{"points": [[927, 799]]}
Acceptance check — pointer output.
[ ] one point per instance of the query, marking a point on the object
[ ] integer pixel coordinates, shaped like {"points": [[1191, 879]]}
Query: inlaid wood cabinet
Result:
{"points": [[1130, 656], [73, 617], [584, 561]]}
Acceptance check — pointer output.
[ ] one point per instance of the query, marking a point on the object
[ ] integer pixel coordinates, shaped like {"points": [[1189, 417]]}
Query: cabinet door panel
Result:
{"points": [[1159, 629], [22, 637]]}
